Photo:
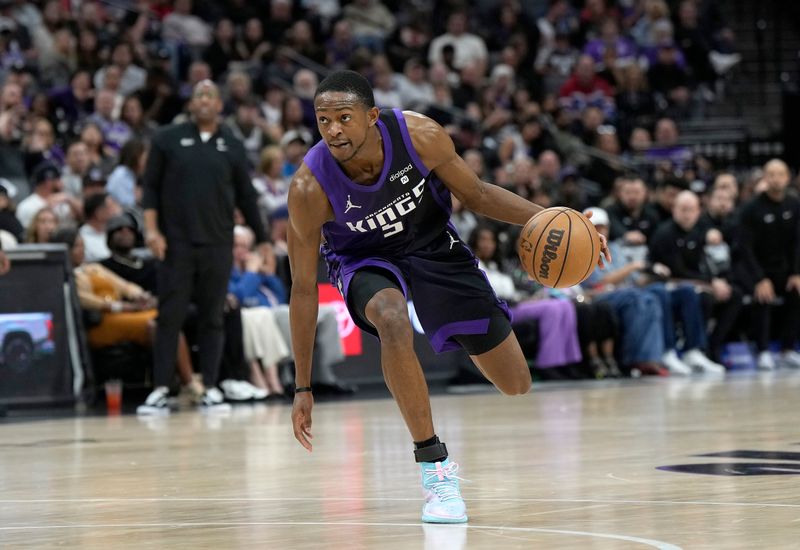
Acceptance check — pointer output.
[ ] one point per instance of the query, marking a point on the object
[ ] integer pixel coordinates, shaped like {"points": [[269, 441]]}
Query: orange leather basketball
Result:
{"points": [[559, 247]]}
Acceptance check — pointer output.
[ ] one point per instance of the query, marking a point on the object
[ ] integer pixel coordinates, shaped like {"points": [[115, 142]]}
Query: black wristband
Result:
{"points": [[301, 390]]}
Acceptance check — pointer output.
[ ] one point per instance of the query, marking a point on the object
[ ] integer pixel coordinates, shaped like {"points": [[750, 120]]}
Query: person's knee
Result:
{"points": [[650, 305], [516, 380], [518, 384], [658, 290], [389, 315]]}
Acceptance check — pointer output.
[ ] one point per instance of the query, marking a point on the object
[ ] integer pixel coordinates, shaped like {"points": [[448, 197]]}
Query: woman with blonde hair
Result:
{"points": [[42, 226]]}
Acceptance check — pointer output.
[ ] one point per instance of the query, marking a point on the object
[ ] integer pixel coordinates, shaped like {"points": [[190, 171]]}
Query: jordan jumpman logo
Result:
{"points": [[350, 205], [452, 240]]}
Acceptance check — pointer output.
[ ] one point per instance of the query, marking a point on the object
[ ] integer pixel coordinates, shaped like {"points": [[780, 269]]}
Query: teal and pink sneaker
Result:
{"points": [[443, 502]]}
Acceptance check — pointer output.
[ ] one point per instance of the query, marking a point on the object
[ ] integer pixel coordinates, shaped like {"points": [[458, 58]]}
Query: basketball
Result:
{"points": [[559, 247]]}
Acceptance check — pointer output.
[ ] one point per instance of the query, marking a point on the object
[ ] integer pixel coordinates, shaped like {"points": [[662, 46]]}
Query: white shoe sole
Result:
{"points": [[152, 411], [218, 408], [428, 518]]}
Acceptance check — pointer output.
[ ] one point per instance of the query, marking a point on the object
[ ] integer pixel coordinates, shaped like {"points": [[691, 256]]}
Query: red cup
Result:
{"points": [[114, 396]]}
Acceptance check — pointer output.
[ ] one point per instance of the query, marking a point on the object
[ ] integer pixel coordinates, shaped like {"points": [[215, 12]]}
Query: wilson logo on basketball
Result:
{"points": [[554, 239]]}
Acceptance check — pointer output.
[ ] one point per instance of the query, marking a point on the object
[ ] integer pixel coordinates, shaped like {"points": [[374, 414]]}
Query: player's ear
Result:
{"points": [[372, 115]]}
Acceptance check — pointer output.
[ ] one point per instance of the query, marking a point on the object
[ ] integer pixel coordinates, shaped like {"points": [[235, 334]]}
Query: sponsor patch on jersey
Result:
{"points": [[402, 174]]}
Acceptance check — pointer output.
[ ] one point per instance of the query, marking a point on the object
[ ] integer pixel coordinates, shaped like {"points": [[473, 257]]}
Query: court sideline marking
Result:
{"points": [[396, 499], [660, 545]]}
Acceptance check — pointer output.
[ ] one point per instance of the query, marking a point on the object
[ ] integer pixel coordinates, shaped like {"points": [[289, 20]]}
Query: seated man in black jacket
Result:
{"points": [[680, 244], [719, 212], [632, 219], [770, 243]]}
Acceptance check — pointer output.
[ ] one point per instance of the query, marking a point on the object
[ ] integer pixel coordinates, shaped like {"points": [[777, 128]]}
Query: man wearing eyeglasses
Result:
{"points": [[196, 176]]}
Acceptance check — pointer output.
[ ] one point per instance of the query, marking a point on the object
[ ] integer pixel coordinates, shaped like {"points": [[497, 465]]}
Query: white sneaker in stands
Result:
{"points": [[698, 361], [766, 361], [674, 365], [156, 403], [214, 401]]}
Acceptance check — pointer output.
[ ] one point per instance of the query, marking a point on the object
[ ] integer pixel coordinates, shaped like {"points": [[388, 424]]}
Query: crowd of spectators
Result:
{"points": [[566, 102]]}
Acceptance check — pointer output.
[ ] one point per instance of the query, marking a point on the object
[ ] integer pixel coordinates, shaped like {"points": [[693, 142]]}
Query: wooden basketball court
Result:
{"points": [[570, 466]]}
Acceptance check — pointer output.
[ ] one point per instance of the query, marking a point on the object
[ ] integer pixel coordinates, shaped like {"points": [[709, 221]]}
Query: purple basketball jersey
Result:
{"points": [[400, 224], [405, 209]]}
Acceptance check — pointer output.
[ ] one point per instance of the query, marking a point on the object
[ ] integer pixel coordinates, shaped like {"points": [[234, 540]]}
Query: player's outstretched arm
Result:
{"points": [[309, 209], [437, 152]]}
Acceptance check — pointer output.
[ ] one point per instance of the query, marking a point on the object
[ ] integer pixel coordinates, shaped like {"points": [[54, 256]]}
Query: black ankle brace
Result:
{"points": [[432, 453]]}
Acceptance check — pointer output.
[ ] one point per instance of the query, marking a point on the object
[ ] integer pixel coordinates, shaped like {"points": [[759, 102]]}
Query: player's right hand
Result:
{"points": [[301, 418], [157, 245]]}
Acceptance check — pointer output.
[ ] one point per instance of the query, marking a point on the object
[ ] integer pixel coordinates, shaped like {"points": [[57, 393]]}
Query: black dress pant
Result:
{"points": [[726, 315], [202, 272], [234, 365], [789, 328]]}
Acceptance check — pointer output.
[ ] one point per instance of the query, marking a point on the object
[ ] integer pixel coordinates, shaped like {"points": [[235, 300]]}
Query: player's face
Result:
{"points": [[343, 123]]}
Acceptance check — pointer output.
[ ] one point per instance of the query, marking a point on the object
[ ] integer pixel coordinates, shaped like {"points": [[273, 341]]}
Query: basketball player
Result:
{"points": [[378, 188]]}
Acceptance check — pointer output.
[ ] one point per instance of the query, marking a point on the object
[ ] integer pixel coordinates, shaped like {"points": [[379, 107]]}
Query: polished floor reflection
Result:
{"points": [[596, 465]]}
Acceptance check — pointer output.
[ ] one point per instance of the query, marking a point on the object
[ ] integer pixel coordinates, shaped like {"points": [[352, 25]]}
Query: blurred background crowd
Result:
{"points": [[632, 108]]}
